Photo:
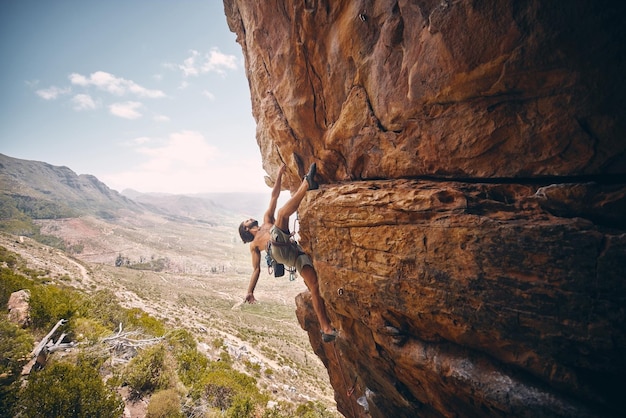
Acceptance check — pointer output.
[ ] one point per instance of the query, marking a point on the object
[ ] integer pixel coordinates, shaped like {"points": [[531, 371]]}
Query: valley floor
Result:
{"points": [[201, 289]]}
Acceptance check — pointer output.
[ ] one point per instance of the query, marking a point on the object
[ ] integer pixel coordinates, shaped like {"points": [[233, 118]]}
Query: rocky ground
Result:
{"points": [[202, 290]]}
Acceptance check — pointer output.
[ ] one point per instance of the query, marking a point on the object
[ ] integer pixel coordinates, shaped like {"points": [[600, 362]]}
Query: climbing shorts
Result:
{"points": [[287, 252]]}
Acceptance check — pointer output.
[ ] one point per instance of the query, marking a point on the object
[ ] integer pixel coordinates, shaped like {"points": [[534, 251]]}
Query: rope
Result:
{"points": [[349, 391]]}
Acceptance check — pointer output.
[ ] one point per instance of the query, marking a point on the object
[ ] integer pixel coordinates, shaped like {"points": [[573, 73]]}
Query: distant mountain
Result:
{"points": [[217, 208], [39, 190], [43, 191], [241, 204]]}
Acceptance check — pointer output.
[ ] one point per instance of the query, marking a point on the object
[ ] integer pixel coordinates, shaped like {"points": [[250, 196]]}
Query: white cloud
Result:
{"points": [[218, 62], [189, 66], [217, 176], [84, 102], [185, 148], [213, 61], [161, 118], [139, 141], [53, 92], [126, 110], [186, 163], [208, 95], [114, 85]]}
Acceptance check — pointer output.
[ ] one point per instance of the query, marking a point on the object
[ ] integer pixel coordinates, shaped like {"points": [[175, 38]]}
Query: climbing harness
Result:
{"points": [[278, 269]]}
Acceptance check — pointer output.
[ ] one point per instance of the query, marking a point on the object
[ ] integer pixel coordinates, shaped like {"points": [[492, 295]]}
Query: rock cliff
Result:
{"points": [[469, 233]]}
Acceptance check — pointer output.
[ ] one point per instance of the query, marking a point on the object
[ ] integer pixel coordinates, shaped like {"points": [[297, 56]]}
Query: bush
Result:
{"points": [[181, 339], [49, 304], [242, 407], [164, 404], [11, 282], [9, 257], [103, 306], [66, 390], [135, 317], [15, 345], [192, 365], [150, 371], [89, 330], [312, 410], [228, 390]]}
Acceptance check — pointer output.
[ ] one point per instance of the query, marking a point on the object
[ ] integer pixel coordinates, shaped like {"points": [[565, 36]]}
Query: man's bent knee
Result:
{"points": [[309, 275]]}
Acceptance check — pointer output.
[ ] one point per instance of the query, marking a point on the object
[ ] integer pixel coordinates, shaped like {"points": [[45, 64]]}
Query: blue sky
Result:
{"points": [[149, 95]]}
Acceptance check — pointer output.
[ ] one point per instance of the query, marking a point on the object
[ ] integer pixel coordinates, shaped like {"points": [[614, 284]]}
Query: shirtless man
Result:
{"points": [[273, 236]]}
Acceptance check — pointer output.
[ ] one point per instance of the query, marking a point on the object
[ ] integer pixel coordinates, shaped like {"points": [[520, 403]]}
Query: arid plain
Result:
{"points": [[201, 288]]}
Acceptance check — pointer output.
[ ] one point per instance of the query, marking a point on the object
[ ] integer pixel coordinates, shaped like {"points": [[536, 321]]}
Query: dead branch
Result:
{"points": [[47, 345], [122, 342], [42, 344], [59, 345]]}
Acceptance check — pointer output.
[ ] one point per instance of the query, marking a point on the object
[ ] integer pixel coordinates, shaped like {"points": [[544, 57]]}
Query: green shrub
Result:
{"points": [[218, 342], [89, 330], [66, 390], [11, 282], [242, 407], [150, 370], [15, 346], [9, 398], [9, 257], [136, 318], [227, 389], [49, 304], [164, 404], [192, 365], [312, 410], [103, 306], [182, 339]]}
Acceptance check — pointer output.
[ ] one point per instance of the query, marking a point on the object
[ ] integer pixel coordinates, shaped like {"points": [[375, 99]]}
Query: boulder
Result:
{"points": [[19, 308]]}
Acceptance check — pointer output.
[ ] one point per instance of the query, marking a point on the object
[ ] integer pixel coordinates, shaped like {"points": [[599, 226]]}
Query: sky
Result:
{"points": [[149, 95]]}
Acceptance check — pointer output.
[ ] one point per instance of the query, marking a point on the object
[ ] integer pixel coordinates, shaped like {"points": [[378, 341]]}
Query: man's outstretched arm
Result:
{"points": [[256, 272], [269, 215]]}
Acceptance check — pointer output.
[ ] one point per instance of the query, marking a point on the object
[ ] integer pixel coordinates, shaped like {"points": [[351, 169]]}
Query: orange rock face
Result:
{"points": [[469, 231], [457, 297]]}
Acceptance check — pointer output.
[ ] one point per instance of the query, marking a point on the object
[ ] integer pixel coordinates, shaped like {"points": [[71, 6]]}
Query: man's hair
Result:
{"points": [[246, 236]]}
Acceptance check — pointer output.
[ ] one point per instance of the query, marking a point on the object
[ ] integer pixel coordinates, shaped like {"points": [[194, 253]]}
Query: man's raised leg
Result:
{"points": [[289, 208]]}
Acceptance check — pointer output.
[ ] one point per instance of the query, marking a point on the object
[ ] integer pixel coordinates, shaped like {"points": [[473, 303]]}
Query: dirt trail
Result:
{"points": [[197, 292], [84, 274]]}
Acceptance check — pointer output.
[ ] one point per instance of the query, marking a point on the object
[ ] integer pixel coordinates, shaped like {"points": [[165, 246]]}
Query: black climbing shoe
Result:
{"points": [[327, 338], [310, 177]]}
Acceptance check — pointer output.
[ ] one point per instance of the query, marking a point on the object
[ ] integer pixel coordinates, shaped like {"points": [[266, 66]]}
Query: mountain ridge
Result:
{"points": [[27, 186], [40, 182]]}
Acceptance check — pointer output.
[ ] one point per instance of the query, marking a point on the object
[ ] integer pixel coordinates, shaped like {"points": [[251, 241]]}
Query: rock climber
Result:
{"points": [[274, 237]]}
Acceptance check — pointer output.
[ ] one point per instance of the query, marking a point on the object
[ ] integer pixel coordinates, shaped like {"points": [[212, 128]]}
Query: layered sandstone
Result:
{"points": [[469, 231]]}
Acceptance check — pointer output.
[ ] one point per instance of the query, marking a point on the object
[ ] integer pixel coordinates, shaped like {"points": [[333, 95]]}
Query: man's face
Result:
{"points": [[250, 224]]}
